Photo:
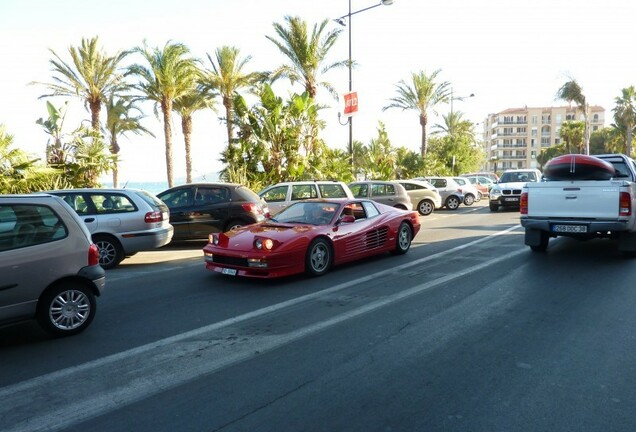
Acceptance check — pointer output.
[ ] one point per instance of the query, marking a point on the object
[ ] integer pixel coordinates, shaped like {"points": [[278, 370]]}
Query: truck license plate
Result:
{"points": [[569, 228], [229, 271]]}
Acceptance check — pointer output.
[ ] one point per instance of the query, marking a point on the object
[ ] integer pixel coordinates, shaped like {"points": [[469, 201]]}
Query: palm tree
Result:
{"points": [[307, 53], [92, 76], [227, 78], [572, 133], [422, 94], [197, 99], [454, 126], [625, 114], [167, 77], [571, 91], [120, 119]]}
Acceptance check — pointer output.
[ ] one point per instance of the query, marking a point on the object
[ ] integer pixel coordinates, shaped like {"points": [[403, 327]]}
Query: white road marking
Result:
{"points": [[139, 373]]}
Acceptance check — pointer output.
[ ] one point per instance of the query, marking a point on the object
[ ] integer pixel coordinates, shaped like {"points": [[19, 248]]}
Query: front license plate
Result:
{"points": [[569, 228], [511, 199], [229, 271]]}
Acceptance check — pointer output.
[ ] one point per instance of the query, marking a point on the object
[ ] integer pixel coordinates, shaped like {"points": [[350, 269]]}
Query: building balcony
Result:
{"points": [[516, 157]]}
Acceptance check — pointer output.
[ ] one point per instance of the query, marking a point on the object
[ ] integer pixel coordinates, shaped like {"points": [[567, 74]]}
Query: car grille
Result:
{"points": [[511, 192], [222, 259]]}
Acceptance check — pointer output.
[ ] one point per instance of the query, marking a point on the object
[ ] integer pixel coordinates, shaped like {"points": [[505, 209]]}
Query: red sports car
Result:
{"points": [[311, 236]]}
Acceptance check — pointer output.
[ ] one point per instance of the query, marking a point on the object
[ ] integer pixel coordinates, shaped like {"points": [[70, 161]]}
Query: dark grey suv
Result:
{"points": [[198, 209]]}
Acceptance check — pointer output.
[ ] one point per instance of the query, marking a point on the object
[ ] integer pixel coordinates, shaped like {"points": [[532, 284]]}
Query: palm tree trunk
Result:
{"points": [[95, 107], [227, 103], [628, 150], [423, 121], [186, 127], [114, 150], [166, 107]]}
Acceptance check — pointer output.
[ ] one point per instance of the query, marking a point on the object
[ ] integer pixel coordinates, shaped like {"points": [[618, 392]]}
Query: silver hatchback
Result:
{"points": [[390, 193], [48, 265], [122, 222]]}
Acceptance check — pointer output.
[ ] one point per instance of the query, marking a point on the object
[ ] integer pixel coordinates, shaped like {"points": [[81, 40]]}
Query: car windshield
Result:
{"points": [[312, 213], [522, 176]]}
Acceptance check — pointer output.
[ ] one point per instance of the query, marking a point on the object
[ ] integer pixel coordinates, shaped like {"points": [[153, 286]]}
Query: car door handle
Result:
{"points": [[89, 220]]}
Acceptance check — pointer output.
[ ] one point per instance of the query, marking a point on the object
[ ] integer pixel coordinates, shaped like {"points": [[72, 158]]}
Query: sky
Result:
{"points": [[508, 54]]}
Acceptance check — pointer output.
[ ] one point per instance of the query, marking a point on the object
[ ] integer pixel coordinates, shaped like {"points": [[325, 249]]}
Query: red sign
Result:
{"points": [[351, 103]]}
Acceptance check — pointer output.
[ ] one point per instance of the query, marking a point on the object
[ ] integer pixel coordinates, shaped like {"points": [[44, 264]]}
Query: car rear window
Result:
{"points": [[150, 198], [247, 194]]}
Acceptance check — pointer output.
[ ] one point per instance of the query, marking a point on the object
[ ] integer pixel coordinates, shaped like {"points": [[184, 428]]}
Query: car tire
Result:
{"points": [[493, 207], [67, 308], [425, 207], [319, 257], [469, 199], [452, 202], [479, 196], [110, 251], [233, 224], [399, 206], [403, 240], [543, 244]]}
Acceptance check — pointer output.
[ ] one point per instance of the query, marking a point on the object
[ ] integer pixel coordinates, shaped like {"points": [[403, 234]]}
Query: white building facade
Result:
{"points": [[514, 137]]}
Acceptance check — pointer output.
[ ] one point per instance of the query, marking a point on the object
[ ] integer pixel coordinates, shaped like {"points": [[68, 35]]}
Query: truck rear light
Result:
{"points": [[523, 203], [152, 217], [625, 204], [93, 255]]}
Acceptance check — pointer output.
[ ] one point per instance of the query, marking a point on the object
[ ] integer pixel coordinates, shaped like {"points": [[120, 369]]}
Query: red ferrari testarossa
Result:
{"points": [[311, 236]]}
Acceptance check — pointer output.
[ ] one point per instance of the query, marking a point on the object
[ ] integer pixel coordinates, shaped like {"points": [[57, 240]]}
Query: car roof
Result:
{"points": [[91, 190]]}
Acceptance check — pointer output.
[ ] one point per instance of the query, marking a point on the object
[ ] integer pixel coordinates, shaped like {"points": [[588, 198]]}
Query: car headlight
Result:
{"points": [[214, 239], [264, 244], [495, 191]]}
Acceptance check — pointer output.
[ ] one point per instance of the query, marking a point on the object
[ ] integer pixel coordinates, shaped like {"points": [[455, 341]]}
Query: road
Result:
{"points": [[469, 331]]}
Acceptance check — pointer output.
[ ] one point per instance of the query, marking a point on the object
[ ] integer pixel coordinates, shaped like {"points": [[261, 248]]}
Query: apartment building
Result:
{"points": [[515, 136]]}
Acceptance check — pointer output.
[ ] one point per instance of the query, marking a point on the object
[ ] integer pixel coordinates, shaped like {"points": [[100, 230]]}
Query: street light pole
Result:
{"points": [[461, 98], [340, 21]]}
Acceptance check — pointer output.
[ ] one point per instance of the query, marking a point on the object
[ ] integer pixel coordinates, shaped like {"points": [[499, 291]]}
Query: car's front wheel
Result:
{"points": [[452, 202], [110, 251], [494, 207], [404, 237], [67, 308], [318, 258], [425, 207]]}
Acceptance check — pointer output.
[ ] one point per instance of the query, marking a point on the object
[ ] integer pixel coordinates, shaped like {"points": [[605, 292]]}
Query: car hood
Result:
{"points": [[285, 235], [511, 185]]}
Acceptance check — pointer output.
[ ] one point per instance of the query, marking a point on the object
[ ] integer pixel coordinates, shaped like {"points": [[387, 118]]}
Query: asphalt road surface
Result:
{"points": [[469, 331]]}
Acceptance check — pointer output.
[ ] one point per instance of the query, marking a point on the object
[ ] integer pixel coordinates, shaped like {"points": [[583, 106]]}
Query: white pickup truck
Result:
{"points": [[583, 209]]}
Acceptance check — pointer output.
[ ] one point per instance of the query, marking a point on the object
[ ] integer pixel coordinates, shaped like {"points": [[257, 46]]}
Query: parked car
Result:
{"points": [[122, 222], [301, 238], [389, 193], [483, 184], [49, 266], [198, 209], [507, 192], [448, 188], [491, 175], [281, 195], [424, 196], [471, 193]]}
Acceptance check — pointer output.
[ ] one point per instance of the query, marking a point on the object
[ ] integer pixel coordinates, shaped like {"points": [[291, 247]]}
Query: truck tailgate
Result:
{"points": [[582, 199]]}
